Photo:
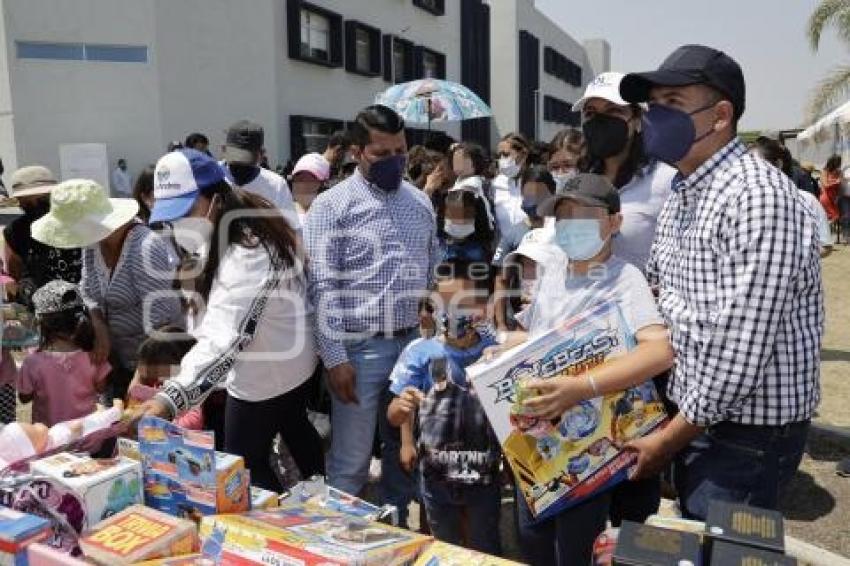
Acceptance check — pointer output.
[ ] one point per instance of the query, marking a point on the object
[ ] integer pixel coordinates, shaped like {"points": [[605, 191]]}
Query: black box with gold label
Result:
{"points": [[728, 554], [742, 524], [643, 545]]}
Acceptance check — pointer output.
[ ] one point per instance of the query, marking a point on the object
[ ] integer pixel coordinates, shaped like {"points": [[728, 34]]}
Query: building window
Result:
{"points": [[82, 52], [561, 67], [436, 7], [314, 34], [399, 60], [310, 134], [560, 112], [429, 64], [362, 49]]}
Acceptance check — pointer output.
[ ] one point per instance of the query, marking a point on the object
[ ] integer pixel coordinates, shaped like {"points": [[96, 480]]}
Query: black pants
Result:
{"points": [[250, 428]]}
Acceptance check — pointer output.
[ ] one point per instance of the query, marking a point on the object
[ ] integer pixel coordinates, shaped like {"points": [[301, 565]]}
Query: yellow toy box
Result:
{"points": [[139, 533], [559, 463], [106, 486], [445, 554], [263, 498], [299, 534]]}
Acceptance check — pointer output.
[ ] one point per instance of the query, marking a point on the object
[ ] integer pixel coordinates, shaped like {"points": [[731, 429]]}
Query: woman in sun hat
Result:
{"points": [[255, 337], [128, 270]]}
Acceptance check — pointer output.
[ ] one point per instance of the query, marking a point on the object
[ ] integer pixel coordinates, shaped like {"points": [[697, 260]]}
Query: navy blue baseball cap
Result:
{"points": [[179, 178], [691, 65]]}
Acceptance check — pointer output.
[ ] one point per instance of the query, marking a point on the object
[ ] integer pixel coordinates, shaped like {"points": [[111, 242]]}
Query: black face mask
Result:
{"points": [[606, 136], [37, 209]]}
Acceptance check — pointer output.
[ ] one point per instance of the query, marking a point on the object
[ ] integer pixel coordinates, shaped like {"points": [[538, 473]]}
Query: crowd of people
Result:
{"points": [[225, 295]]}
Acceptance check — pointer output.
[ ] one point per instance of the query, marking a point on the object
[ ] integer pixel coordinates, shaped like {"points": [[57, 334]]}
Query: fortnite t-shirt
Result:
{"points": [[456, 444]]}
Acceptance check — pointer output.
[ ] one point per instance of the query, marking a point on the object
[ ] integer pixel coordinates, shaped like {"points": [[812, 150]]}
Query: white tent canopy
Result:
{"points": [[829, 135]]}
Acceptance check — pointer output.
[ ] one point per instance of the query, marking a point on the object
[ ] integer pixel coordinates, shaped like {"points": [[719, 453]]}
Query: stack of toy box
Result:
{"points": [[559, 463], [300, 534], [17, 531], [106, 486], [139, 533], [185, 476], [444, 554]]}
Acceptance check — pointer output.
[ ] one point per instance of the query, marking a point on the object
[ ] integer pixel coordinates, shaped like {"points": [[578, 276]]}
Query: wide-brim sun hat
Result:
{"points": [[30, 181], [81, 215]]}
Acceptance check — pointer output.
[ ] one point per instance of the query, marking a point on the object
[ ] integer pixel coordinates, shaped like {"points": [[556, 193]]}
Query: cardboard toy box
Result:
{"points": [[263, 498], [106, 486], [314, 492], [139, 533], [44, 555], [129, 448], [742, 524], [644, 545], [560, 463], [17, 531], [185, 560], [727, 554], [185, 476], [445, 554], [299, 534]]}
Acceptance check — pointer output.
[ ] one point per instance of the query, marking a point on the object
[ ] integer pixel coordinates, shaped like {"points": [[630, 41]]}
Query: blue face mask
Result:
{"points": [[529, 207], [387, 173], [579, 238], [669, 134], [455, 326]]}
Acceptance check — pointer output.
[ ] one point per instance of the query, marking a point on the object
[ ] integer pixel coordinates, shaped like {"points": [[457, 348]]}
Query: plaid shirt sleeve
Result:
{"points": [[762, 244], [323, 290]]}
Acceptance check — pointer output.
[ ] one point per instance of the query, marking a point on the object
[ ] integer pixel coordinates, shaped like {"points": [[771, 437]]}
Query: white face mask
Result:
{"points": [[193, 234], [562, 179], [508, 167], [457, 230], [527, 288]]}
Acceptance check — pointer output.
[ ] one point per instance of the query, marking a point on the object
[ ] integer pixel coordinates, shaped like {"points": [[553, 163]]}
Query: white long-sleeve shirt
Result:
{"points": [[121, 183], [256, 334]]}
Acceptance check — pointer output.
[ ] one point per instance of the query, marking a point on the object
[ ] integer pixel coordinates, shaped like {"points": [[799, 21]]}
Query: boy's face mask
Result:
{"points": [[455, 326]]}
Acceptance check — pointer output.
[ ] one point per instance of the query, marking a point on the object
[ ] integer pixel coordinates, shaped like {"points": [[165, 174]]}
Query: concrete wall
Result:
{"points": [[57, 102], [504, 66], [8, 149], [598, 55]]}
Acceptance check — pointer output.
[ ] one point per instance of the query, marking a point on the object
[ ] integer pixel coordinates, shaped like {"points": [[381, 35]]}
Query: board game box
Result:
{"points": [[106, 486], [742, 524], [445, 554], [728, 554], [300, 534], [139, 533], [644, 545], [184, 475], [560, 463], [17, 531]]}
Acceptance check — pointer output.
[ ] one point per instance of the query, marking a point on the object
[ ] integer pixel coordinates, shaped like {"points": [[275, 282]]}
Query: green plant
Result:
{"points": [[835, 86]]}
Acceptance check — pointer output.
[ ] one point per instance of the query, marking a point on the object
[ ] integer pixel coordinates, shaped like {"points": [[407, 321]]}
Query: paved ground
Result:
{"points": [[817, 503]]}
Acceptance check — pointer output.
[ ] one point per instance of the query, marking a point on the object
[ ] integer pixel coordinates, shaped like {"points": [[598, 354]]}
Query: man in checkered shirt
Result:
{"points": [[372, 248], [736, 261]]}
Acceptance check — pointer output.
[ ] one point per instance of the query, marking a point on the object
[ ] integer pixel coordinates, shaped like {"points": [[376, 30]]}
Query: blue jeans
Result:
{"points": [[353, 425], [565, 539], [446, 504], [738, 463]]}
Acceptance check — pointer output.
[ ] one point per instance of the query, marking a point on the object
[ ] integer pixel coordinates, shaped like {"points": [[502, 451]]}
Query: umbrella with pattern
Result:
{"points": [[432, 100]]}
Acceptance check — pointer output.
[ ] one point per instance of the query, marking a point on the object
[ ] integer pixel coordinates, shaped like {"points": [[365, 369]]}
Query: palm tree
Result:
{"points": [[834, 88]]}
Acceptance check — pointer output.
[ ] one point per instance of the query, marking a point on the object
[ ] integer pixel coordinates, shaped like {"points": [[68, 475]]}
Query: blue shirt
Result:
{"points": [[372, 255], [413, 368]]}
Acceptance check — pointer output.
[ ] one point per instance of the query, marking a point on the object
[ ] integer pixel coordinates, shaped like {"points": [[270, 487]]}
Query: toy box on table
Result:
{"points": [[17, 531], [560, 463], [185, 476], [445, 554], [314, 492], [106, 486], [300, 534], [139, 533], [185, 560], [44, 555], [263, 498]]}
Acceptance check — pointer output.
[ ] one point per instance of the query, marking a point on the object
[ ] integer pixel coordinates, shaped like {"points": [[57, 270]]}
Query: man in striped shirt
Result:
{"points": [[736, 261], [372, 248]]}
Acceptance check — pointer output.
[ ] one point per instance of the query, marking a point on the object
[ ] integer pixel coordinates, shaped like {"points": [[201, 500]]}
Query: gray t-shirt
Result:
{"points": [[561, 294]]}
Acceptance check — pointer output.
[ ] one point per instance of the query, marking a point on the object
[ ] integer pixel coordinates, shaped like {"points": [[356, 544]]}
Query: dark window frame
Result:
{"points": [[440, 60], [86, 52], [375, 48], [559, 111], [335, 33], [561, 67], [297, 145], [409, 73], [438, 9]]}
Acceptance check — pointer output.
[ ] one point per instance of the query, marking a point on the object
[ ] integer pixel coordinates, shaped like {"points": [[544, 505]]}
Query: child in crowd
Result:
{"points": [[159, 360], [463, 223], [537, 185], [457, 451], [535, 253], [60, 378], [311, 172]]}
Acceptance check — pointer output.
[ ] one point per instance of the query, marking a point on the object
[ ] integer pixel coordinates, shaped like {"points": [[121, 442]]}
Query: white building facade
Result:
{"points": [[136, 74]]}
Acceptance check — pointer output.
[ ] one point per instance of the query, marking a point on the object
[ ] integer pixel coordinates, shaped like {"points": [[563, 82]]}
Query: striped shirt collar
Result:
{"points": [[704, 174]]}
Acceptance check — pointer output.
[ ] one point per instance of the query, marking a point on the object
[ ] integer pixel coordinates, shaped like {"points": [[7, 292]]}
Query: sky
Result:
{"points": [[766, 37]]}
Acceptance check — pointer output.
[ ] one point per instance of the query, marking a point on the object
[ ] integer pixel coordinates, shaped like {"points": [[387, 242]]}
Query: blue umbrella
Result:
{"points": [[433, 100]]}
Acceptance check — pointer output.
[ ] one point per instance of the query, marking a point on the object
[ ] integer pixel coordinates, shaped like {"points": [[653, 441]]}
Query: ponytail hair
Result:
{"points": [[74, 325]]}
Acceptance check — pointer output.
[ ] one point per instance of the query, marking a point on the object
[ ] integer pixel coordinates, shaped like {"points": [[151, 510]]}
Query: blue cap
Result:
{"points": [[179, 178]]}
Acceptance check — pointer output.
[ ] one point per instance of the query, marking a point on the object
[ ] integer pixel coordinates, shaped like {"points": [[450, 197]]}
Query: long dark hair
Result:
{"points": [[74, 325], [269, 230], [635, 162], [142, 188], [484, 233], [833, 164]]}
